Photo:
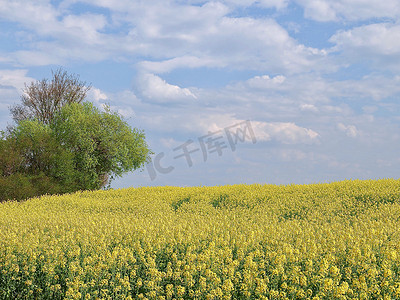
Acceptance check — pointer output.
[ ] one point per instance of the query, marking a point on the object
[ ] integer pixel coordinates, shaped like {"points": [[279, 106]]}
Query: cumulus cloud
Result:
{"points": [[97, 95], [39, 16], [377, 43], [284, 132], [319, 10], [37, 57], [278, 4], [163, 33], [125, 102], [221, 41], [293, 89], [308, 107], [14, 78], [185, 61], [290, 155], [375, 87], [54, 36], [157, 90], [305, 91], [11, 85], [349, 130], [281, 132], [353, 10], [264, 81], [380, 38]]}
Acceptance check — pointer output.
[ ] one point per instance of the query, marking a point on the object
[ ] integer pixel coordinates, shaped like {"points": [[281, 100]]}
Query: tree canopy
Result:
{"points": [[102, 144], [42, 99], [61, 143]]}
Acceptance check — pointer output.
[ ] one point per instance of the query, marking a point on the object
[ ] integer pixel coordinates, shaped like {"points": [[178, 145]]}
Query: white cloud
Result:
{"points": [[290, 155], [169, 142], [238, 41], [380, 38], [294, 89], [85, 27], [4, 58], [369, 109], [51, 37], [37, 58], [11, 84], [373, 87], [375, 43], [47, 20], [15, 78], [97, 94], [157, 90], [305, 91], [202, 122], [39, 16], [8, 97], [124, 102], [278, 4], [287, 133], [319, 10], [349, 130], [216, 40], [168, 65], [127, 112], [308, 107], [263, 82], [99, 98], [167, 35], [353, 10]]}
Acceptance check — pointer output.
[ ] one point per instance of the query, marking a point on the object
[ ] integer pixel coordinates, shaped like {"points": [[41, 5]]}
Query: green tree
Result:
{"points": [[36, 144], [10, 160], [102, 143], [62, 144], [32, 163]]}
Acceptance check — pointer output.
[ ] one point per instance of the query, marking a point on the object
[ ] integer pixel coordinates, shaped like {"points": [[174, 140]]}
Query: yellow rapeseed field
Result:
{"points": [[320, 241]]}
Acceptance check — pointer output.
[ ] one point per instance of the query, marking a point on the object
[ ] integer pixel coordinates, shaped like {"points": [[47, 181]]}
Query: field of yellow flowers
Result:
{"points": [[320, 241]]}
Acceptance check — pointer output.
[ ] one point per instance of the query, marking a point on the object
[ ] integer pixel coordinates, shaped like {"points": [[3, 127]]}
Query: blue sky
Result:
{"points": [[268, 91]]}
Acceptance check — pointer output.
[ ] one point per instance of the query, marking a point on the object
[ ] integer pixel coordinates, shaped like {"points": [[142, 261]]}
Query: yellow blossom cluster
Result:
{"points": [[321, 241]]}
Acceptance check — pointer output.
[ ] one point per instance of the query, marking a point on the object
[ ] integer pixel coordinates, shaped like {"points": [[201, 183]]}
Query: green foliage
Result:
{"points": [[41, 152], [62, 144], [82, 149], [20, 186], [102, 143], [10, 160], [33, 163]]}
